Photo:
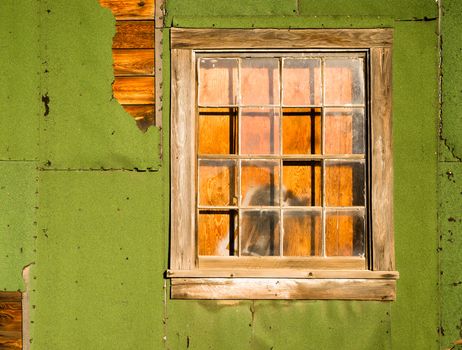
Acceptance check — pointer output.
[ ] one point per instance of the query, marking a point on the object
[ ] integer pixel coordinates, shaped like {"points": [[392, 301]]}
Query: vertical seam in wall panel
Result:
{"points": [[438, 158]]}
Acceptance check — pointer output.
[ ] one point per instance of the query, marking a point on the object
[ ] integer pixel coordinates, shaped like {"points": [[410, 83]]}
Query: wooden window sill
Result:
{"points": [[382, 289]]}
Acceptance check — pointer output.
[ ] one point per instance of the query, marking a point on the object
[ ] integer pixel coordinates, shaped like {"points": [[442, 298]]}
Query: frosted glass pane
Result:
{"points": [[301, 82], [259, 131], [344, 130], [259, 232], [260, 81], [218, 81], [344, 81], [260, 183]]}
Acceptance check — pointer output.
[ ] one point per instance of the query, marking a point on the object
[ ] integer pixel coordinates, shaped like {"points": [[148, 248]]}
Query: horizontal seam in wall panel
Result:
{"points": [[19, 160], [136, 170]]}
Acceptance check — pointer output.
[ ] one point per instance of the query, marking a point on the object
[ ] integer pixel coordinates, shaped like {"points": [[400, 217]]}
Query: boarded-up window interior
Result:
{"points": [[282, 154], [133, 58]]}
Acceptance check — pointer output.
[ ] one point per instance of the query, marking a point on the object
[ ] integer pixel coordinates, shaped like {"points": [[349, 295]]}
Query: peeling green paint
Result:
{"points": [[86, 128]]}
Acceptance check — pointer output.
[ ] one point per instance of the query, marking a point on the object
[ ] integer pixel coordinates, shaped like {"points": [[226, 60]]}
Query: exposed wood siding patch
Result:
{"points": [[130, 9]]}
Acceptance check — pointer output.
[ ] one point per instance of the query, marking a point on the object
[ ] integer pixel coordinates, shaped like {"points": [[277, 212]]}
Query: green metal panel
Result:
{"points": [[209, 324], [450, 250], [415, 313], [86, 128], [451, 123], [321, 325], [19, 80], [409, 9], [98, 278], [284, 22], [18, 201], [450, 177], [198, 8]]}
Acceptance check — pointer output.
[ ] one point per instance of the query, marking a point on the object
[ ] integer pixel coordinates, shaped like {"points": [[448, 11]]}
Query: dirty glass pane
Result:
{"points": [[302, 183], [217, 131], [216, 233], [259, 232], [345, 185], [344, 131], [301, 82], [260, 81], [260, 183], [345, 233], [302, 233], [301, 131], [217, 182], [218, 81], [259, 131], [344, 81]]}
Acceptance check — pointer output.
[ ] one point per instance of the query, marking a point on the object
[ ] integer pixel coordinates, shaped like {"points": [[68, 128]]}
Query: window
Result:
{"points": [[281, 164]]}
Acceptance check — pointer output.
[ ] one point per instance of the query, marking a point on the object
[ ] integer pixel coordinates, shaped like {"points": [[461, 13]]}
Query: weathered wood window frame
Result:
{"points": [[192, 278]]}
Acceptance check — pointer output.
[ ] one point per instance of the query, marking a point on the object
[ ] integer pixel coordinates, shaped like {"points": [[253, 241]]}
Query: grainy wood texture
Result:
{"points": [[130, 9], [10, 296], [334, 263], [10, 320], [134, 90], [279, 38], [281, 273], [248, 288], [183, 178], [382, 161], [134, 35], [133, 62], [143, 114]]}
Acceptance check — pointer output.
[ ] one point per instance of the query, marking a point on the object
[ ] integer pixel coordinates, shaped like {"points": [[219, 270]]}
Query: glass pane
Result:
{"points": [[345, 184], [217, 131], [301, 131], [344, 131], [216, 233], [259, 232], [344, 81], [218, 81], [260, 183], [301, 82], [302, 233], [260, 81], [259, 131], [302, 183], [217, 183], [345, 233]]}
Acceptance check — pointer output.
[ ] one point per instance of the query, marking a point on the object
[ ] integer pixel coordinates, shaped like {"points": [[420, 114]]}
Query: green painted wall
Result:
{"points": [[450, 175], [84, 194]]}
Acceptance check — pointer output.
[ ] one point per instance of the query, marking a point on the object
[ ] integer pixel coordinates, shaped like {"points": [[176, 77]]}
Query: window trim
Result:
{"points": [[191, 281]]}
